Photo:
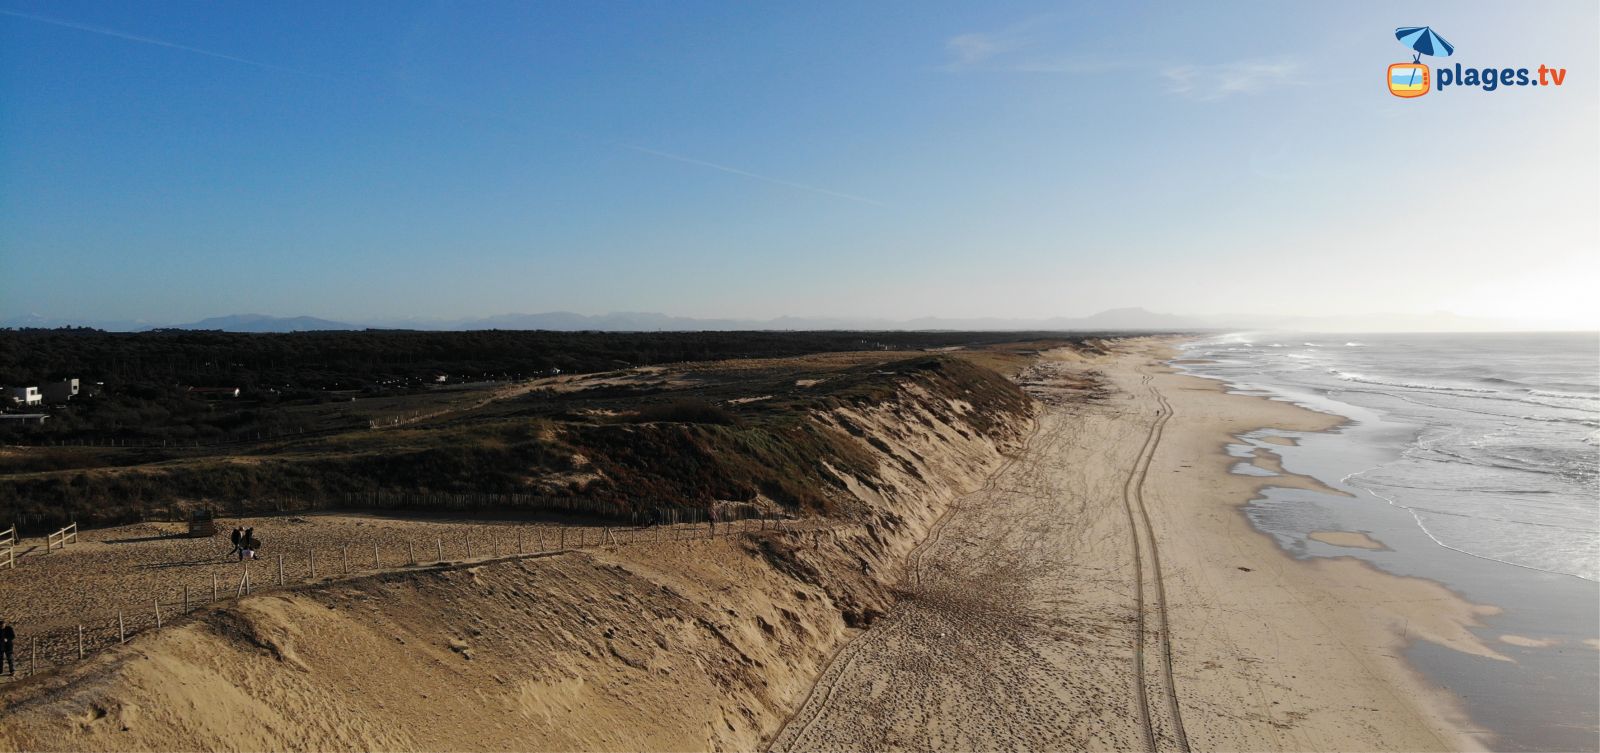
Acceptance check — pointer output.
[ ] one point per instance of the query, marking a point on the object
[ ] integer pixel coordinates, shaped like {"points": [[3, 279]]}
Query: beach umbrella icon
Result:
{"points": [[1423, 41]]}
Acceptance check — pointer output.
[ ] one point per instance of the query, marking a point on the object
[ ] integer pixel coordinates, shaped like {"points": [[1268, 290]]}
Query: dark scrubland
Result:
{"points": [[326, 382], [736, 417]]}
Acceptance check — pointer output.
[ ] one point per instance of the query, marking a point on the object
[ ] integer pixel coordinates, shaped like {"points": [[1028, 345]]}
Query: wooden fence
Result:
{"points": [[8, 548], [155, 610], [61, 538], [32, 440]]}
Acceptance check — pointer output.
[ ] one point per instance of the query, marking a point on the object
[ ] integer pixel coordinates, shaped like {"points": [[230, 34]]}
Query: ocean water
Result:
{"points": [[1472, 460], [1490, 441]]}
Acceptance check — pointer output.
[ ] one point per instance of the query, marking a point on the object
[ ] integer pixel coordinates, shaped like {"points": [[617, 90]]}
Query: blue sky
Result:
{"points": [[360, 161]]}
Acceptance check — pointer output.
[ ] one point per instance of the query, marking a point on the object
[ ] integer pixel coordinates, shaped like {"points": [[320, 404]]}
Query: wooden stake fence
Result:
{"points": [[8, 548], [605, 537], [61, 538]]}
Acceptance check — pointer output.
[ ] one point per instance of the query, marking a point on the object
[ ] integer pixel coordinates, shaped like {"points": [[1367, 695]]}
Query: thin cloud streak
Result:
{"points": [[113, 33], [988, 49], [1209, 82], [754, 176], [1017, 49]]}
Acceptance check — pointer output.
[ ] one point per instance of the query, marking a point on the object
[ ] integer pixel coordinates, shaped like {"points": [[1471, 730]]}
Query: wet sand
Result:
{"points": [[1348, 539]]}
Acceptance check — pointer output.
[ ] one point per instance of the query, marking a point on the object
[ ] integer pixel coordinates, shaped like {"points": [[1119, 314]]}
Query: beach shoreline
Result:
{"points": [[1108, 592], [1401, 611], [1526, 681]]}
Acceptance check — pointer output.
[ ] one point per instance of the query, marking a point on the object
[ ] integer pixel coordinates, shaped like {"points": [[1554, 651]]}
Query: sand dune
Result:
{"points": [[672, 646]]}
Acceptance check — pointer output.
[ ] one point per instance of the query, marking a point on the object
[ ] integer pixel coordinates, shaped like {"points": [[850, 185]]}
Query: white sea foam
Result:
{"points": [[1364, 379], [1479, 476]]}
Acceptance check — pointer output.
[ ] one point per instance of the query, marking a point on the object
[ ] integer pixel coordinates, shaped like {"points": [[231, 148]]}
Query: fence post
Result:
{"points": [[469, 543], [213, 586], [439, 549], [80, 641], [376, 563], [186, 596], [280, 570], [158, 613], [541, 539], [344, 554], [411, 552], [33, 659], [122, 631], [311, 555], [519, 539]]}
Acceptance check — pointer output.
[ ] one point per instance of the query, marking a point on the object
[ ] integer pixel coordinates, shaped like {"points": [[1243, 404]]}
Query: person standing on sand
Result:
{"points": [[8, 638]]}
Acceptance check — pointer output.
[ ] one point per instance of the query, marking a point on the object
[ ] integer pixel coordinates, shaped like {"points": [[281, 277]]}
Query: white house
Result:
{"points": [[26, 396], [60, 392]]}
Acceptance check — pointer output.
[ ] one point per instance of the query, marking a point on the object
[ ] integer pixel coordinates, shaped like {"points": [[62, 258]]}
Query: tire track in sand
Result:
{"points": [[1133, 497], [839, 666]]}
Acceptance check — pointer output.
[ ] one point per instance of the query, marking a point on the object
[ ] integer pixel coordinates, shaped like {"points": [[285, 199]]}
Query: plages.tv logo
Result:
{"points": [[1414, 79]]}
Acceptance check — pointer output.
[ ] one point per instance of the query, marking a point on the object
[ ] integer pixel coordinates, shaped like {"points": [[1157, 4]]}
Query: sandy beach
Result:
{"points": [[1104, 592], [1082, 578]]}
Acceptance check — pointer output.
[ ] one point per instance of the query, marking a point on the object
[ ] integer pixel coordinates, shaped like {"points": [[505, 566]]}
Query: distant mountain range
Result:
{"points": [[264, 323], [1113, 319], [638, 321]]}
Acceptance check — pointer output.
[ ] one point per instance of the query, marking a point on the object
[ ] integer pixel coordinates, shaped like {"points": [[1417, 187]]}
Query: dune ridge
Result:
{"points": [[703, 644]]}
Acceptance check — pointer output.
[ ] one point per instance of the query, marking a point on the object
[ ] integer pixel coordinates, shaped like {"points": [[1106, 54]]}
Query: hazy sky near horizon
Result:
{"points": [[168, 161]]}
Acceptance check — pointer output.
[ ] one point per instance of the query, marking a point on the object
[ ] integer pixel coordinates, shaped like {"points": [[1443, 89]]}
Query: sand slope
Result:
{"points": [[672, 646], [574, 651]]}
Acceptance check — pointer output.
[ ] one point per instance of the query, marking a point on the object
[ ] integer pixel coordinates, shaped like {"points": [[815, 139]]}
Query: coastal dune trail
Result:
{"points": [[1103, 592]]}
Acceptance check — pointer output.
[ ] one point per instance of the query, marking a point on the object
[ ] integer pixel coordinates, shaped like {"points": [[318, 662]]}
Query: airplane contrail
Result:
{"points": [[284, 69], [754, 176], [158, 43]]}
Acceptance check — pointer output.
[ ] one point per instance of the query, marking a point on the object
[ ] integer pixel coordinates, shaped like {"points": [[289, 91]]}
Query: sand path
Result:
{"points": [[1104, 593]]}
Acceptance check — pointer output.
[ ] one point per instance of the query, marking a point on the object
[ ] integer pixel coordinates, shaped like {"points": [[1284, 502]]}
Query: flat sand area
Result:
{"points": [[1106, 593], [125, 573]]}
